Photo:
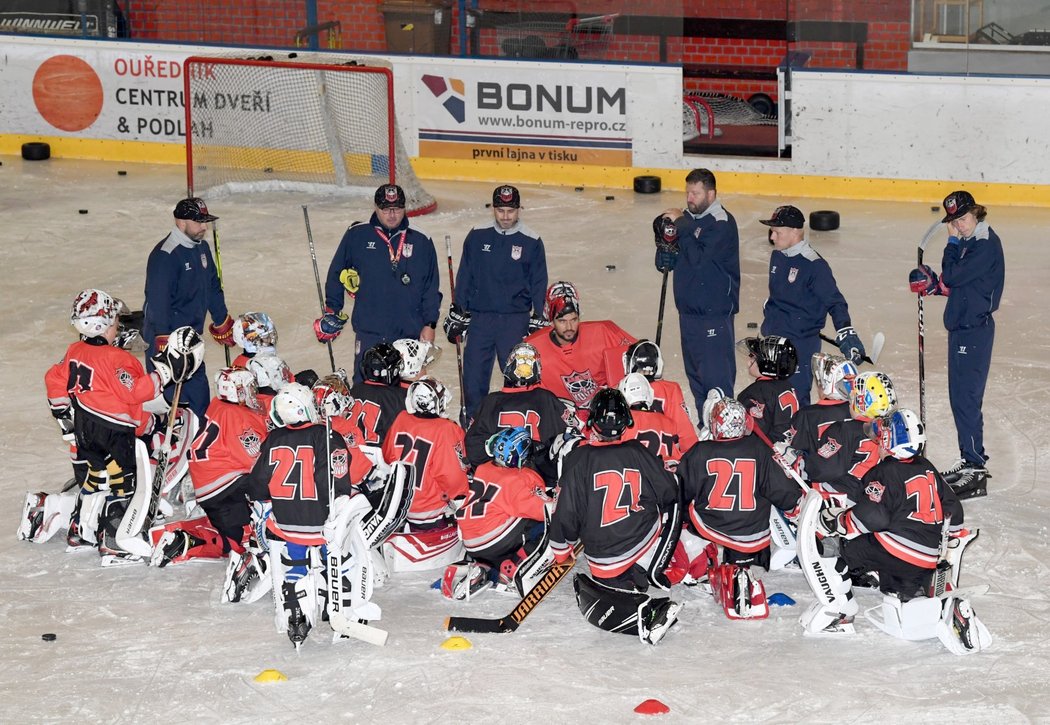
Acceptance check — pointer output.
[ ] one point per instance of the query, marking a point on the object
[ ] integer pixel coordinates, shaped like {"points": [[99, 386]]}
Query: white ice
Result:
{"points": [[140, 645]]}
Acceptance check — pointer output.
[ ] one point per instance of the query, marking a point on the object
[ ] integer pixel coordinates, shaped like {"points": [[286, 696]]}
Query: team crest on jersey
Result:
{"points": [[581, 386], [515, 252], [757, 410], [792, 274], [829, 449], [204, 260], [340, 464], [125, 378], [251, 441], [406, 250], [875, 490]]}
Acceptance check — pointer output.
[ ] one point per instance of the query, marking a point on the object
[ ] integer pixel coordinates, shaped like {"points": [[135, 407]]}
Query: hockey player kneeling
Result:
{"points": [[297, 464], [730, 485], [907, 528], [502, 522], [620, 502], [425, 438]]}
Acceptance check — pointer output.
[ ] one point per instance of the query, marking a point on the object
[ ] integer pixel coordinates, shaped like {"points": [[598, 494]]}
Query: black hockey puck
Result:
{"points": [[49, 636], [83, 211], [579, 188], [122, 172], [935, 208], [488, 205], [752, 325], [610, 198], [610, 268]]}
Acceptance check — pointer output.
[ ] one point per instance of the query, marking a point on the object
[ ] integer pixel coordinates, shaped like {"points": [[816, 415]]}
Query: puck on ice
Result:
{"points": [[83, 211], [610, 198], [752, 325], [935, 208], [49, 636], [579, 188], [122, 172], [610, 268]]}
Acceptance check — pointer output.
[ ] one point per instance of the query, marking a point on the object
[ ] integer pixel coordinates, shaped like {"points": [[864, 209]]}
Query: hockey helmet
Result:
{"points": [[833, 374], [644, 357], [382, 363], [510, 447], [775, 356], [523, 366], [237, 386], [93, 312], [901, 433], [610, 415], [872, 396], [332, 396], [729, 420], [562, 299], [637, 391], [270, 371], [255, 332], [416, 356], [427, 398], [293, 405]]}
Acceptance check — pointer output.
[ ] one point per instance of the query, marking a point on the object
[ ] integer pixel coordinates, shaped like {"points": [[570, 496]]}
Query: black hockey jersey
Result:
{"points": [[772, 404], [535, 408], [904, 506], [809, 424], [728, 487], [374, 408], [613, 497], [292, 471], [842, 456]]}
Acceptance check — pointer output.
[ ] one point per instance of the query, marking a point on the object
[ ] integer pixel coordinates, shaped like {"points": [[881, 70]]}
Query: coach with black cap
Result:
{"points": [[500, 291], [802, 293], [182, 287], [390, 271]]}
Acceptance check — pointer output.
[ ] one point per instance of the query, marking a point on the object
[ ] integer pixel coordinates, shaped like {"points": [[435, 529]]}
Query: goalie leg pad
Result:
{"points": [[84, 531], [423, 550], [541, 558], [914, 620], [960, 630], [465, 579], [180, 541], [44, 515], [296, 575], [826, 576], [390, 510], [348, 543], [247, 579], [608, 608], [182, 433], [741, 595], [785, 545], [661, 554]]}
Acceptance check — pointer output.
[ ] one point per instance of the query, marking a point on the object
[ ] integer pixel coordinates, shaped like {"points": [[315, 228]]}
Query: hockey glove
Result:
{"points": [[830, 521], [64, 418], [923, 280], [666, 237], [536, 323], [223, 332], [329, 325], [160, 342], [456, 323], [850, 345], [181, 358], [351, 280]]}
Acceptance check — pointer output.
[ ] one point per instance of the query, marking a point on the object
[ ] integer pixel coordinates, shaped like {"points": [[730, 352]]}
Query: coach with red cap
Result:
{"points": [[390, 271], [182, 287], [973, 273], [802, 294]]}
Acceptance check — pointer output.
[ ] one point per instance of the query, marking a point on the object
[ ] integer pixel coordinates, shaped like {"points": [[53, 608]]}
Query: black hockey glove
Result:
{"points": [[665, 233], [537, 322], [456, 323]]}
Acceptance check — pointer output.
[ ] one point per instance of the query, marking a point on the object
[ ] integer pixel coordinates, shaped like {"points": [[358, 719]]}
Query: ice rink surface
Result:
{"points": [[144, 645]]}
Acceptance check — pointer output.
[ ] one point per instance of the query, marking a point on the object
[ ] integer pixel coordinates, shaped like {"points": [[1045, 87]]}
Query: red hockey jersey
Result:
{"points": [[499, 499], [577, 370], [435, 447], [667, 399], [226, 448]]}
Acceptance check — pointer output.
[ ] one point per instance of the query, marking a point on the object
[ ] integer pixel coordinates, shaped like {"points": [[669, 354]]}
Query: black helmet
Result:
{"points": [[610, 415], [775, 356], [644, 357], [382, 363]]}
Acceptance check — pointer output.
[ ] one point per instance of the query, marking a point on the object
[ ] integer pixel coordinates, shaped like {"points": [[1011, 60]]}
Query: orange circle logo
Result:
{"points": [[67, 93]]}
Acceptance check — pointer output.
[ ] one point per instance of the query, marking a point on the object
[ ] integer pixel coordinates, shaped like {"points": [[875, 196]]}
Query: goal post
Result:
{"points": [[317, 127]]}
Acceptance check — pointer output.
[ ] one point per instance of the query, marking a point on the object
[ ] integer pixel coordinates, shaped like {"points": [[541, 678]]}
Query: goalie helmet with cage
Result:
{"points": [[270, 371], [610, 415], [382, 363], [562, 299], [729, 420], [644, 357], [510, 447], [293, 405], [237, 386], [834, 375], [637, 391], [901, 433], [872, 396], [775, 356], [427, 398], [255, 332], [416, 356], [332, 396], [94, 312], [522, 368]]}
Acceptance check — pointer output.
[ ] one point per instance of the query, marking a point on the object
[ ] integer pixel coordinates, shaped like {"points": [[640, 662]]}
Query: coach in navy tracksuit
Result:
{"points": [[390, 270], [973, 273], [500, 291], [802, 293], [182, 286], [705, 259]]}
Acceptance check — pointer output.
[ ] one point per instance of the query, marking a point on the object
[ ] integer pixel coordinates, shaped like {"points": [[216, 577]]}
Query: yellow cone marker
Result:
{"points": [[456, 643], [271, 676]]}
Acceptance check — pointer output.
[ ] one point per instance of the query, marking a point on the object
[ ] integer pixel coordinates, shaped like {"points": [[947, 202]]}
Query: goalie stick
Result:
{"points": [[877, 343], [459, 346], [317, 277], [530, 601], [142, 510], [218, 271], [922, 328]]}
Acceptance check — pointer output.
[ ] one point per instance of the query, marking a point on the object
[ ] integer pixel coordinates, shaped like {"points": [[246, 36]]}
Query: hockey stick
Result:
{"points": [[922, 328], [776, 457], [660, 315], [317, 277], [529, 602], [877, 343], [459, 347], [142, 510], [218, 271]]}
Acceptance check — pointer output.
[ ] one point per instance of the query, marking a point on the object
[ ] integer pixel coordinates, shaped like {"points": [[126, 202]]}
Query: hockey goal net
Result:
{"points": [[304, 125]]}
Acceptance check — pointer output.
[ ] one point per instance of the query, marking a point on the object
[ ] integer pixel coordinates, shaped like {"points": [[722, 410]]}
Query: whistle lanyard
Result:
{"points": [[395, 257]]}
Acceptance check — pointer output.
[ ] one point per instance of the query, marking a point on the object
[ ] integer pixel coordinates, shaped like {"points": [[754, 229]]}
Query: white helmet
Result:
{"points": [[427, 397], [293, 404], [270, 371], [637, 390], [834, 375], [901, 433], [729, 420], [255, 332], [332, 396], [417, 355], [237, 386], [94, 312]]}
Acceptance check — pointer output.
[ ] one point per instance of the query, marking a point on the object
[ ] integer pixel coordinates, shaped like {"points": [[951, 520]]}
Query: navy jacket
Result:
{"points": [[502, 271], [802, 293], [182, 286], [707, 276], [974, 271]]}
